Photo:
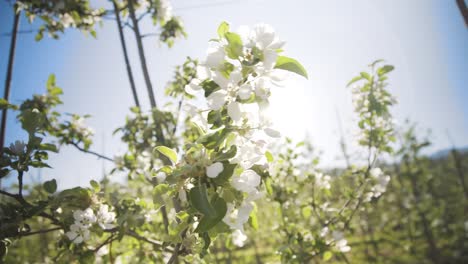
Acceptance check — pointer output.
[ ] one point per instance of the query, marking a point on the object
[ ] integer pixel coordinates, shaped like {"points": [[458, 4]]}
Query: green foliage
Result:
{"points": [[290, 64]]}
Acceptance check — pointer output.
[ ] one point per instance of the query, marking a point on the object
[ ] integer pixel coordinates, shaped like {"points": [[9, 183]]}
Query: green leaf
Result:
{"points": [[253, 221], [171, 154], [31, 121], [385, 69], [223, 156], [51, 81], [213, 140], [365, 75], [235, 46], [355, 79], [50, 186], [223, 29], [3, 104], [48, 147], [95, 185], [226, 174], [158, 193], [327, 255], [269, 156], [208, 222], [199, 199], [290, 64]]}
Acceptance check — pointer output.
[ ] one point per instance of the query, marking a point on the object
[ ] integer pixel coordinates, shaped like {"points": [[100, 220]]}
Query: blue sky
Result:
{"points": [[335, 40]]}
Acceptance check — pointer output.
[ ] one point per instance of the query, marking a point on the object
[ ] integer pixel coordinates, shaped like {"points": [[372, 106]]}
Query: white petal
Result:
{"points": [[234, 111], [272, 133], [214, 169], [217, 99], [245, 91]]}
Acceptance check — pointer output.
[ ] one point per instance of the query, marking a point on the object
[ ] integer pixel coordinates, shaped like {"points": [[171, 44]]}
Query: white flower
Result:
{"points": [[81, 127], [247, 181], [66, 20], [77, 233], [217, 99], [235, 218], [382, 181], [238, 238], [144, 161], [84, 218], [248, 154], [324, 231], [18, 147], [322, 181], [215, 56], [161, 176], [149, 215], [214, 169], [245, 92], [265, 37], [119, 161], [105, 218], [193, 87], [340, 242], [164, 10]]}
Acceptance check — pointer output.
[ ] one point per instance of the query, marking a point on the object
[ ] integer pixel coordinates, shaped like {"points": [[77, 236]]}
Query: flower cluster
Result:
{"points": [[236, 78], [78, 124], [61, 15], [336, 238], [381, 181], [84, 220]]}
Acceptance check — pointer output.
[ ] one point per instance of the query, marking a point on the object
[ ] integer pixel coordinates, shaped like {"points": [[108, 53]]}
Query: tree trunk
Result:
{"points": [[11, 60], [124, 49], [141, 53]]}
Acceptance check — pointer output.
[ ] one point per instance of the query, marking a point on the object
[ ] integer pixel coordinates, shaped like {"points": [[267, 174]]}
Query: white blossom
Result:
{"points": [[84, 218], [66, 20], [247, 181], [105, 218], [322, 181], [341, 243], [78, 233], [164, 10], [217, 99], [238, 238], [235, 218], [381, 182]]}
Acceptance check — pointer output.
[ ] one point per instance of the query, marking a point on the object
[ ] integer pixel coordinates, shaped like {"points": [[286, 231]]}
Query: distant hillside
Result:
{"points": [[445, 152]]}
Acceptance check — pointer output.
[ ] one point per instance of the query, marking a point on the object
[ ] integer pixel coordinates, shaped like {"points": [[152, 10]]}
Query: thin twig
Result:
{"points": [[107, 241], [91, 152], [40, 231], [150, 35]]}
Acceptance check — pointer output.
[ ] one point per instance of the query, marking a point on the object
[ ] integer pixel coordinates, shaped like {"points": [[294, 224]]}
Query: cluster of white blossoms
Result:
{"points": [[85, 219], [79, 125], [242, 74], [163, 8], [60, 16], [336, 238], [322, 181], [380, 181]]}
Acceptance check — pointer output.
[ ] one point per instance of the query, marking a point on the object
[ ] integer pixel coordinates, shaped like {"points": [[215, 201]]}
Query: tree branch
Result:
{"points": [[91, 152], [40, 231]]}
